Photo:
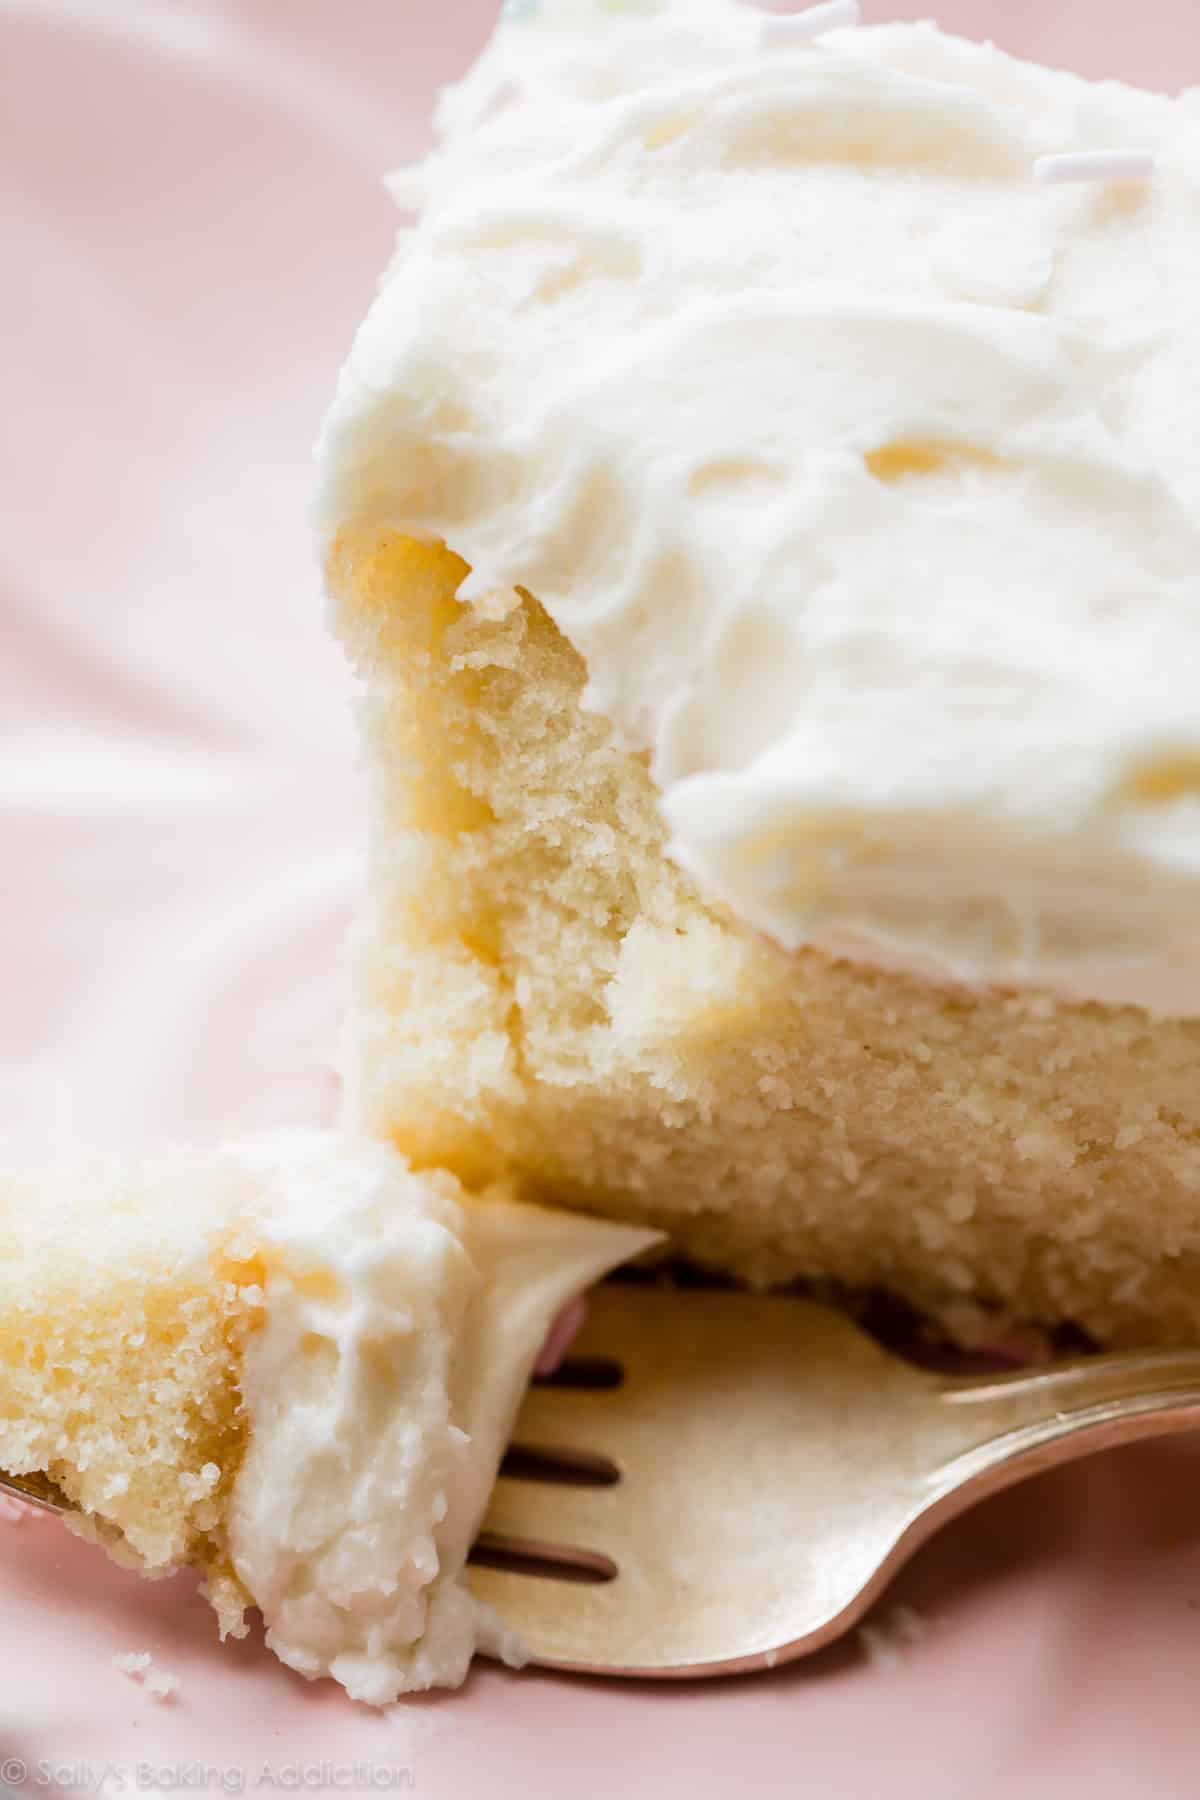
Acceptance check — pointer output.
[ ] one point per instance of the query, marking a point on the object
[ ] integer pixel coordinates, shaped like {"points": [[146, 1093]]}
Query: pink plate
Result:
{"points": [[197, 224]]}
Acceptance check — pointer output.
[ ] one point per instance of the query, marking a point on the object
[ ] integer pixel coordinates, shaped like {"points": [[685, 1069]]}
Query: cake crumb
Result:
{"points": [[133, 1663], [885, 1643], [139, 1666], [160, 1686]]}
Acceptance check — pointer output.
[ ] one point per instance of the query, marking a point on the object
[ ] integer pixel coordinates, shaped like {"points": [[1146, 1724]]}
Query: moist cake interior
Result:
{"points": [[541, 992]]}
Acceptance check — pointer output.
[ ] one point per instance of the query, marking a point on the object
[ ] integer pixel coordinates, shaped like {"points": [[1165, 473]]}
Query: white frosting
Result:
{"points": [[401, 1328], [862, 467]]}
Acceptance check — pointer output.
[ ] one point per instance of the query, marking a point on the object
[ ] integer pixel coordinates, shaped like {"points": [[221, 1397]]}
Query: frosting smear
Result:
{"points": [[402, 1321]]}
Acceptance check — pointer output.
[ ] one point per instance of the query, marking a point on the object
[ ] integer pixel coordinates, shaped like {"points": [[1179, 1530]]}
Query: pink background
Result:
{"points": [[198, 227]]}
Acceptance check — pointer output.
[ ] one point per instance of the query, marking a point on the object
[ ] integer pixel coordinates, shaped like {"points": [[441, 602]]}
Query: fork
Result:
{"points": [[740, 1477], [718, 1482]]}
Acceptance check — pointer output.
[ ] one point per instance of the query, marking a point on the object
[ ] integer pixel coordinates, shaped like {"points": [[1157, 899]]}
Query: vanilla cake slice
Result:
{"points": [[762, 506], [293, 1363]]}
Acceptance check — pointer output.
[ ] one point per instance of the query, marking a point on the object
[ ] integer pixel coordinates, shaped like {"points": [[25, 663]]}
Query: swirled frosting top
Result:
{"points": [[861, 465]]}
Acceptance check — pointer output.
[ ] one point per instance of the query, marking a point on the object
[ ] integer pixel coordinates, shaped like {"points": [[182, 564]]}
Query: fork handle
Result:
{"points": [[1005, 1428]]}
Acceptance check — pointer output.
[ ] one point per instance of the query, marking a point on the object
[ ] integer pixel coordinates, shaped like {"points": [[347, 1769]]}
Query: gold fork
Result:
{"points": [[759, 1473], [718, 1482]]}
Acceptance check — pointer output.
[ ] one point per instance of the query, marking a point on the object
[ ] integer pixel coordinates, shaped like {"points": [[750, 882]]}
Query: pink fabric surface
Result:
{"points": [[196, 224]]}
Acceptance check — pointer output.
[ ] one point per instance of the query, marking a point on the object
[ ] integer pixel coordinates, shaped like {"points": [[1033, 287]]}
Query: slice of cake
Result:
{"points": [[762, 505], [295, 1363]]}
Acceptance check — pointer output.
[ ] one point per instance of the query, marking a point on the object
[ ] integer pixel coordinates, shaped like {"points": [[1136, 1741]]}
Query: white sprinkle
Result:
{"points": [[506, 94], [1095, 165], [408, 186], [800, 28]]}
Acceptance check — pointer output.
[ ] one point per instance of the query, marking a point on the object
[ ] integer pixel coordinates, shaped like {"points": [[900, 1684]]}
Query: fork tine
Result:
{"points": [[564, 1418], [605, 1333], [550, 1616], [747, 1432], [554, 1512]]}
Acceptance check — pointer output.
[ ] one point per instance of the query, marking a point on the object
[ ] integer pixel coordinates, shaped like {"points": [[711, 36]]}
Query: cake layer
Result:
{"points": [[293, 1362], [542, 992], [127, 1293]]}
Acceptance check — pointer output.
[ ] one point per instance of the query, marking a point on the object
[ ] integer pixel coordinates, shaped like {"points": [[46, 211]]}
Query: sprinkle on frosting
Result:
{"points": [[1095, 165], [799, 28], [407, 187]]}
